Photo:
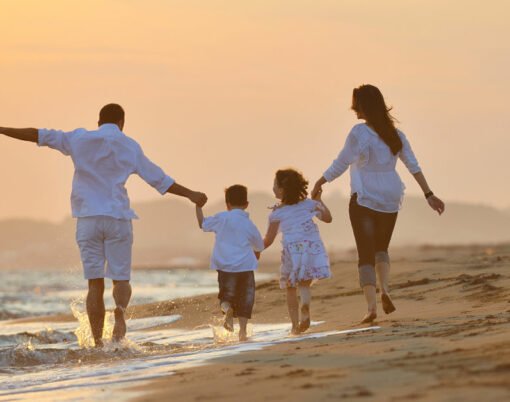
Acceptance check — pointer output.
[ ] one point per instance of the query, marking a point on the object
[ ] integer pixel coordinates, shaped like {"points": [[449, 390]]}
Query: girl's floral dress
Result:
{"points": [[303, 256]]}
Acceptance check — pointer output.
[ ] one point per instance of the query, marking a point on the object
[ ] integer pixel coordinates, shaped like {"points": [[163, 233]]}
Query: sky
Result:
{"points": [[223, 92]]}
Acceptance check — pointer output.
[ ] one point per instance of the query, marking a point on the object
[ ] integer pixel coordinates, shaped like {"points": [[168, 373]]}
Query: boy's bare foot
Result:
{"points": [[119, 329], [242, 336], [305, 318], [369, 317], [387, 304], [228, 324]]}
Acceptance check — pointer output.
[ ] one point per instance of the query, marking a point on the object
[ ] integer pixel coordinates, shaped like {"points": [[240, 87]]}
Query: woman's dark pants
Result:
{"points": [[372, 232]]}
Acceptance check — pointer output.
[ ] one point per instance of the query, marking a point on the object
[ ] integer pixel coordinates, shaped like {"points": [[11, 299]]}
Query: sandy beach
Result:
{"points": [[448, 340]]}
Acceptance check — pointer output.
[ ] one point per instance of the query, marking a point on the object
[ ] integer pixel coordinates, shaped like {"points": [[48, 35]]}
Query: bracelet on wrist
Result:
{"points": [[428, 194]]}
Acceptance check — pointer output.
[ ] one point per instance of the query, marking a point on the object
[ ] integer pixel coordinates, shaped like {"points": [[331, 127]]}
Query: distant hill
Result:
{"points": [[167, 232]]}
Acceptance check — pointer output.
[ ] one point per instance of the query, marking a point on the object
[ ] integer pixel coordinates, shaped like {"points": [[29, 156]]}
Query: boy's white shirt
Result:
{"points": [[236, 238], [103, 161]]}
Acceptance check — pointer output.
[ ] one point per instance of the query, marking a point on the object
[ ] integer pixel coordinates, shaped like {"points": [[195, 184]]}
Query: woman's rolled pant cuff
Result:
{"points": [[382, 256], [367, 275]]}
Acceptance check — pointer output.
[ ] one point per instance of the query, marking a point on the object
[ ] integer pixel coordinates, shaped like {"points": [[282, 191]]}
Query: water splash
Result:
{"points": [[221, 335], [83, 332]]}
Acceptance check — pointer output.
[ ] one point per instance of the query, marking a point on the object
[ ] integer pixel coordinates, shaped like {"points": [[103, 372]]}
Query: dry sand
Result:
{"points": [[449, 339]]}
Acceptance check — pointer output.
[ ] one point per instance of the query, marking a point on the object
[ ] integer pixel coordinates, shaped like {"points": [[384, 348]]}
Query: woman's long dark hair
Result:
{"points": [[368, 100], [293, 184]]}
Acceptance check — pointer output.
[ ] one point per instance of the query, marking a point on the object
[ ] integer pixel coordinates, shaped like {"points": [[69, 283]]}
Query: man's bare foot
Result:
{"points": [[228, 324], [369, 317], [119, 329], [387, 304], [305, 318]]}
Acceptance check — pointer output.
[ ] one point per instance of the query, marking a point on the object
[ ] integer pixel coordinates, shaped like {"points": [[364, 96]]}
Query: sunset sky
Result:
{"points": [[224, 92]]}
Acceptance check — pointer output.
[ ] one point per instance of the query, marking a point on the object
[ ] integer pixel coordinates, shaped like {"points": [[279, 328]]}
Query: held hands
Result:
{"points": [[316, 192], [198, 198], [436, 204]]}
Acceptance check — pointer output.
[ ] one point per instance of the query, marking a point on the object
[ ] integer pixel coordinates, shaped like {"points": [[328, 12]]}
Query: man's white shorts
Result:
{"points": [[105, 239]]}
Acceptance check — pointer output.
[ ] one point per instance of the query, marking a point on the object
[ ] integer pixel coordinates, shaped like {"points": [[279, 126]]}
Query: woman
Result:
{"points": [[371, 151]]}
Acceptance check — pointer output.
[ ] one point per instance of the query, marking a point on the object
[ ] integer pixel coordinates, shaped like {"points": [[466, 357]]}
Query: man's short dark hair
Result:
{"points": [[236, 195], [111, 113]]}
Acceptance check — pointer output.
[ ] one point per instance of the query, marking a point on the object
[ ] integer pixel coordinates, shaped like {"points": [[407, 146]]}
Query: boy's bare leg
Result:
{"points": [[229, 316], [243, 335], [96, 310], [293, 306], [121, 295], [306, 297]]}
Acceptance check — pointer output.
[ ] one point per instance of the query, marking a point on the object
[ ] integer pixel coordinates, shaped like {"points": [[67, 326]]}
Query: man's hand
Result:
{"points": [[198, 198], [23, 134]]}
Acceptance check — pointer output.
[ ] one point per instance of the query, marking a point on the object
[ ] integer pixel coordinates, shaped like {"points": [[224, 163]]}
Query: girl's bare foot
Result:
{"points": [[369, 317], [295, 330], [305, 318]]}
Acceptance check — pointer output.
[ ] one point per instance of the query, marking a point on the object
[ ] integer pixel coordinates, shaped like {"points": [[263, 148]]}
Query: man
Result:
{"points": [[103, 161]]}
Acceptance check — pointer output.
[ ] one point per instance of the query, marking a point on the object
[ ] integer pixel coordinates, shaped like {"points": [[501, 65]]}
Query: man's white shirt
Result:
{"points": [[103, 160]]}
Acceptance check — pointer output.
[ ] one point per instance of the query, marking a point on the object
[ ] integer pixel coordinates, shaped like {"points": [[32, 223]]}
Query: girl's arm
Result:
{"points": [[200, 216], [272, 231], [435, 203], [325, 213]]}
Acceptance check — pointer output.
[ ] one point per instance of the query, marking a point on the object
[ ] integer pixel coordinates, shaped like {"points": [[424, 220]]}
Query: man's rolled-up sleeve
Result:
{"points": [[152, 174], [56, 139]]}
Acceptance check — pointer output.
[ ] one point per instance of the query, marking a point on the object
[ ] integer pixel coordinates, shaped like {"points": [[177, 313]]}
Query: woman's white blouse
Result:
{"points": [[373, 174]]}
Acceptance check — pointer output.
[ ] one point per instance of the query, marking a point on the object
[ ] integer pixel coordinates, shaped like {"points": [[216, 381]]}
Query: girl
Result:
{"points": [[303, 256], [371, 151]]}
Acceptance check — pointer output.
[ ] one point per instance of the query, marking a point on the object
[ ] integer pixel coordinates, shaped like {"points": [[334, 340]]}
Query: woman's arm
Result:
{"points": [[272, 231], [435, 203]]}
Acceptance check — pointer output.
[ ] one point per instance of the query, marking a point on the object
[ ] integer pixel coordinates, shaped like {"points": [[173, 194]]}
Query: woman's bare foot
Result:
{"points": [[387, 304], [369, 317]]}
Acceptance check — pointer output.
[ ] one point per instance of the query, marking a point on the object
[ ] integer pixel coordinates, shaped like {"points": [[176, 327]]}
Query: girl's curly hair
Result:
{"points": [[294, 186]]}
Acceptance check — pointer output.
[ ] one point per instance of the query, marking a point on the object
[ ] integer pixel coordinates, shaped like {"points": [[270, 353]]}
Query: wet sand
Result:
{"points": [[448, 340]]}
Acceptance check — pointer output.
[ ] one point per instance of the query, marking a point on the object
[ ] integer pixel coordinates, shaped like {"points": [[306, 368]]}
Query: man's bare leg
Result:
{"points": [[96, 310], [243, 323], [121, 295]]}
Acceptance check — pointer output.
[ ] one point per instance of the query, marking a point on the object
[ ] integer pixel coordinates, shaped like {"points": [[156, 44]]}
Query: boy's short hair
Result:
{"points": [[111, 113], [236, 195]]}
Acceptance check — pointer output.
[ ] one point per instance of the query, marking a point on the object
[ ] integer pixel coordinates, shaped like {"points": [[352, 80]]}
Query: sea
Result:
{"points": [[45, 360]]}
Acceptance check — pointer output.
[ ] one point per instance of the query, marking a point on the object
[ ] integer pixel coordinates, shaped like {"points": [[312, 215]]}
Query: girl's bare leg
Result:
{"points": [[293, 306], [305, 295]]}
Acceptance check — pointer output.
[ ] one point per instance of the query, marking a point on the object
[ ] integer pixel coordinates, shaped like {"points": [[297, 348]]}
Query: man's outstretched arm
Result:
{"points": [[196, 197], [23, 134]]}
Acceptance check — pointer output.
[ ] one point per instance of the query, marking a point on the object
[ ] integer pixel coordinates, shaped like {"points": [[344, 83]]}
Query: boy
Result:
{"points": [[236, 250]]}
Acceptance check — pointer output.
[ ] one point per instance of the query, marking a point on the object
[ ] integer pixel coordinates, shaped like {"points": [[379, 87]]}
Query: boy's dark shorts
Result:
{"points": [[238, 289]]}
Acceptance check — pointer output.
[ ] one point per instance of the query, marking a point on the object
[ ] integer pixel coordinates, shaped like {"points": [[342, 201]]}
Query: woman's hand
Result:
{"points": [[436, 204], [317, 189]]}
